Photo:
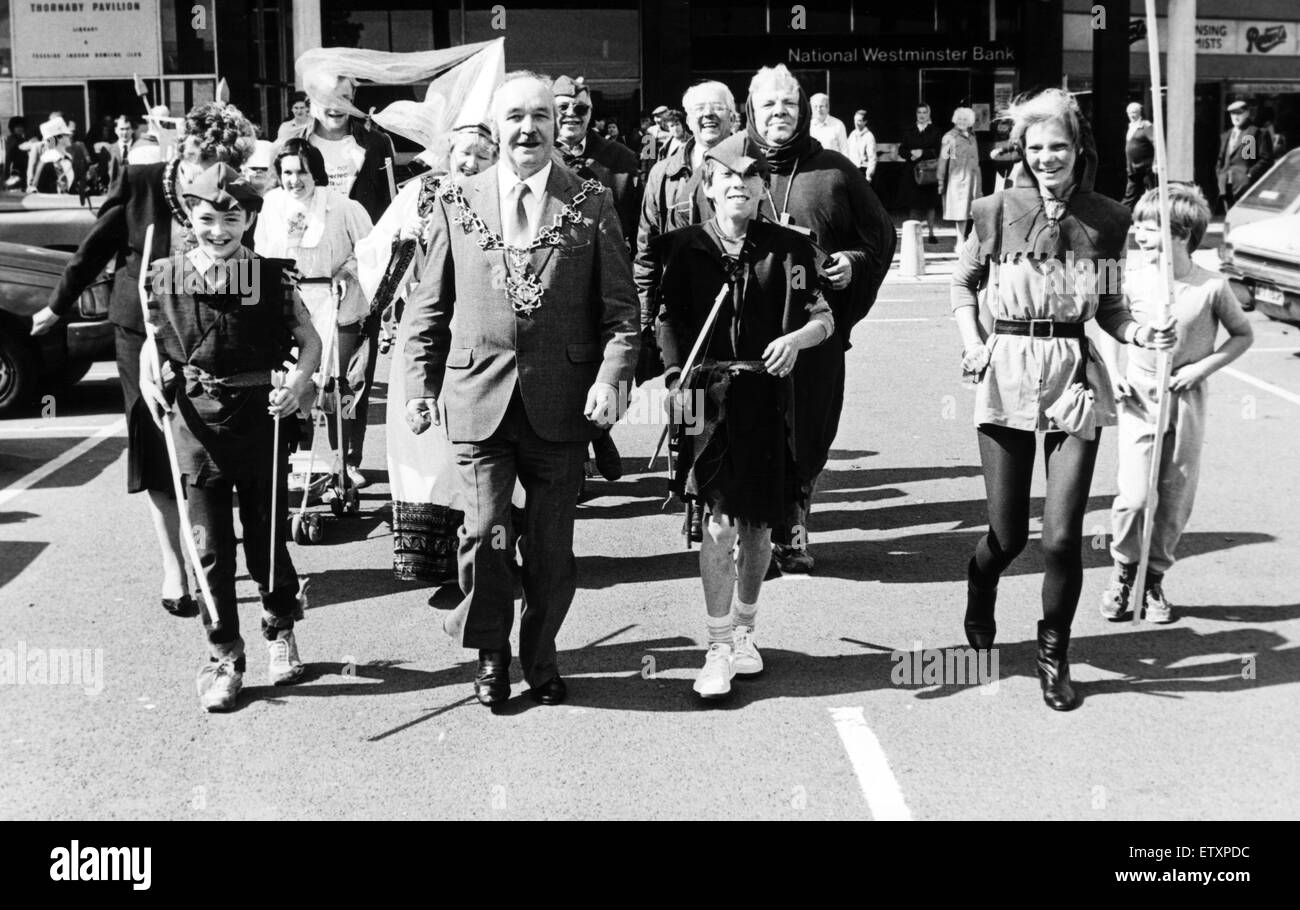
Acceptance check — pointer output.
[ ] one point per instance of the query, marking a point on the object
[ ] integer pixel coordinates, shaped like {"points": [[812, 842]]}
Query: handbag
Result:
{"points": [[926, 172], [1075, 412]]}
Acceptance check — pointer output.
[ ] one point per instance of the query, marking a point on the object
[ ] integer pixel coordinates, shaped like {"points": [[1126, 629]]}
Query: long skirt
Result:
{"points": [[428, 506], [738, 458]]}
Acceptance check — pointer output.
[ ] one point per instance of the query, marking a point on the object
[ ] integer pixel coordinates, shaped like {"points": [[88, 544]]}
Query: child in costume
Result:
{"points": [[1203, 301], [223, 320], [741, 463]]}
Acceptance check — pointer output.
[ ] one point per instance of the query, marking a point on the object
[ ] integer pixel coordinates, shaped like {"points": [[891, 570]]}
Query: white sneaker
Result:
{"points": [[356, 478], [714, 680], [285, 666], [745, 659]]}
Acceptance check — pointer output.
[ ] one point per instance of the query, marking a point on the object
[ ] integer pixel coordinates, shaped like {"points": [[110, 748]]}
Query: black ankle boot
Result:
{"points": [[1054, 668], [980, 627]]}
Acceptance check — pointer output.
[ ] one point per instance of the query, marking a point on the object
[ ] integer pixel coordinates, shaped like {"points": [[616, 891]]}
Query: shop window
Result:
{"points": [[6, 42], [189, 29], [599, 43], [717, 17], [813, 17]]}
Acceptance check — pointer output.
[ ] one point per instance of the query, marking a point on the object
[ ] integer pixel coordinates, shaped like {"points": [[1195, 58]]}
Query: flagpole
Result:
{"points": [[1164, 359]]}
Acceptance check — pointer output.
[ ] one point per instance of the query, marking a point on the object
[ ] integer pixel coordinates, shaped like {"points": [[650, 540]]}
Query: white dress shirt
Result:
{"points": [[862, 150], [830, 133], [507, 180]]}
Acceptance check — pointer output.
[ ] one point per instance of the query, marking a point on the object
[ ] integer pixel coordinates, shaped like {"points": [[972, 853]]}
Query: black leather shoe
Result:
{"points": [[492, 681], [184, 606], [552, 692], [1054, 668], [608, 462], [980, 626]]}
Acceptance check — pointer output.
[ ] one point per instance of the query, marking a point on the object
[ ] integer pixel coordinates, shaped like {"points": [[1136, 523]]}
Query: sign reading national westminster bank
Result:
{"points": [[848, 51]]}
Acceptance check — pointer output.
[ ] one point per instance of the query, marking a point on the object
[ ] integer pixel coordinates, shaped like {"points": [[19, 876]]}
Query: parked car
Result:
{"points": [[56, 222], [62, 356], [1261, 248]]}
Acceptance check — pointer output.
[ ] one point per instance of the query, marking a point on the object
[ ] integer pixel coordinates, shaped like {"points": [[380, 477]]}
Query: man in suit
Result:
{"points": [[1244, 155], [113, 157], [591, 156], [523, 375], [1139, 156]]}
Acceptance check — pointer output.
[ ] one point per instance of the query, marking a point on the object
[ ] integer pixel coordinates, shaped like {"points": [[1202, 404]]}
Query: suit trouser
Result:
{"points": [[551, 475], [211, 509], [1138, 181], [1180, 467]]}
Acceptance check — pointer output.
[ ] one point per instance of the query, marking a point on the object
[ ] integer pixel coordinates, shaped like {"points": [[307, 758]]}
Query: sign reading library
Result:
{"points": [[85, 40]]}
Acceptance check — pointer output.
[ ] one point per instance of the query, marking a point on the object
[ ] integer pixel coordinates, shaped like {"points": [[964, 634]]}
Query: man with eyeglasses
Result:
{"points": [[593, 157]]}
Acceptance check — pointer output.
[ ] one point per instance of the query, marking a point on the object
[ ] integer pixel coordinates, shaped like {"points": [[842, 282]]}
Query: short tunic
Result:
{"points": [[1026, 376], [221, 433]]}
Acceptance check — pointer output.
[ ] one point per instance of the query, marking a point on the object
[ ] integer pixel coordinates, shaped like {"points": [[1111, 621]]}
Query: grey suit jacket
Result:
{"points": [[468, 348]]}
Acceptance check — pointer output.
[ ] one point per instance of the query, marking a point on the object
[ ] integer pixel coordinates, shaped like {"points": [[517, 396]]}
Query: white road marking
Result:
{"points": [[1261, 384], [52, 427], [20, 485], [884, 796], [1254, 350], [908, 319]]}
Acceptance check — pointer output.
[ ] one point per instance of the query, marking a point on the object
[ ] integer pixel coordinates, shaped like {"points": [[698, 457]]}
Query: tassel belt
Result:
{"points": [[1038, 328], [214, 386]]}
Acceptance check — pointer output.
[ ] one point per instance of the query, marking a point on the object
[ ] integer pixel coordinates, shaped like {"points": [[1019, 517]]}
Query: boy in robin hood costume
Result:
{"points": [[219, 341]]}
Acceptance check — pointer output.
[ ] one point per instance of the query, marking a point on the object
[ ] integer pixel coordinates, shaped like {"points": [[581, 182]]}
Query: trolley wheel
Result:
{"points": [[316, 530], [336, 506], [351, 502], [296, 530]]}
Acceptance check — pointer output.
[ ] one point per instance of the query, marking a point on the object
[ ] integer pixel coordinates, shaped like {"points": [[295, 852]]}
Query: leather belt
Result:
{"points": [[1038, 328]]}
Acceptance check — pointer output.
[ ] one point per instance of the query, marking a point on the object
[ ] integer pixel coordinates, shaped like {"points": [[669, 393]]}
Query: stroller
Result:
{"points": [[325, 480]]}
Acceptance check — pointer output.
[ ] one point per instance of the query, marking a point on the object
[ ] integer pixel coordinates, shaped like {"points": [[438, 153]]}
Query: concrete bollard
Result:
{"points": [[911, 256]]}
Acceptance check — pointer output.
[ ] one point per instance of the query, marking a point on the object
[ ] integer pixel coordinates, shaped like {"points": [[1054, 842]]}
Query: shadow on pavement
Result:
{"points": [[18, 555]]}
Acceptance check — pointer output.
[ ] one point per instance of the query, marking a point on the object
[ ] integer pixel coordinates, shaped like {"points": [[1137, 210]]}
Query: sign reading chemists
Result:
{"points": [[85, 40]]}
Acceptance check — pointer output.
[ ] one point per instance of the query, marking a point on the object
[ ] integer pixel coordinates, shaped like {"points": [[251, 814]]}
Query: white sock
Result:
{"points": [[745, 615], [719, 630]]}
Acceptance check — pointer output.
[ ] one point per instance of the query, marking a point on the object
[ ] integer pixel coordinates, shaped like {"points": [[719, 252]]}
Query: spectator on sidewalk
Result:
{"points": [[1139, 155], [959, 171], [920, 149], [827, 130], [862, 146]]}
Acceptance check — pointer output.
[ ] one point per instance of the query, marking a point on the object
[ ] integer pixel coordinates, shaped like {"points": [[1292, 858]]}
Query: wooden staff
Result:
{"points": [[690, 361], [277, 382], [182, 506], [1164, 359]]}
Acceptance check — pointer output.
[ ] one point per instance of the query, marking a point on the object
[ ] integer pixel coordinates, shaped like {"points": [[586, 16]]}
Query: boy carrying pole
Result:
{"points": [[224, 320], [1202, 302]]}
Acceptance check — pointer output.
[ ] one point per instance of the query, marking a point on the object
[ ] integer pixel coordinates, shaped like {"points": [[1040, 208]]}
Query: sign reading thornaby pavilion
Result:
{"points": [[80, 40]]}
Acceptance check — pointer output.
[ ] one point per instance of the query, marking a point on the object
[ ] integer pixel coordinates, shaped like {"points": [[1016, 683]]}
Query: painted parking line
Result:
{"points": [[1261, 384], [19, 486], [879, 786]]}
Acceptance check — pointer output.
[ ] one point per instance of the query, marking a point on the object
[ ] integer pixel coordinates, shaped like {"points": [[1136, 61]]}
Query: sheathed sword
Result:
{"points": [[690, 361]]}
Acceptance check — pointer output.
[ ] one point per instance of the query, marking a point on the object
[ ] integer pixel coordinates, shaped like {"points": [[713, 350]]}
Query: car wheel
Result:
{"points": [[19, 367]]}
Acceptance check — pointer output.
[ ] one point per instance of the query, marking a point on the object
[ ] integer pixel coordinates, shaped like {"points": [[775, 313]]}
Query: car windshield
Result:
{"points": [[1277, 189]]}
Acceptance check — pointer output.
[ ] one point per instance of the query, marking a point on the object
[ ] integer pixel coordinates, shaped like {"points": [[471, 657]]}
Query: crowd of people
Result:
{"points": [[537, 268]]}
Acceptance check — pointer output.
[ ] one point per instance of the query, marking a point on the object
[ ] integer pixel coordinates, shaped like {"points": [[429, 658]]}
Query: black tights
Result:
{"points": [[1008, 459]]}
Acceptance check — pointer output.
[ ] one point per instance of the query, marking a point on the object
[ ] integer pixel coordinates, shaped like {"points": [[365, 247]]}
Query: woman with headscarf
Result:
{"points": [[1038, 372], [820, 194], [147, 195], [427, 510], [959, 171]]}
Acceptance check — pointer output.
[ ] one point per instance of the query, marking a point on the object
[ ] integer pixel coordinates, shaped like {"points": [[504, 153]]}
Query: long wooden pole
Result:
{"points": [[182, 506], [1164, 360]]}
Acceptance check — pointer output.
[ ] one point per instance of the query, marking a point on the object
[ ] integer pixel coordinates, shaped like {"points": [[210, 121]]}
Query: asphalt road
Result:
{"points": [[1189, 720]]}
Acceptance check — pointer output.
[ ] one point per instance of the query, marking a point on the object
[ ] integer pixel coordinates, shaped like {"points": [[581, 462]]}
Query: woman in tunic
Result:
{"points": [[959, 171], [1038, 372], [733, 411], [304, 220]]}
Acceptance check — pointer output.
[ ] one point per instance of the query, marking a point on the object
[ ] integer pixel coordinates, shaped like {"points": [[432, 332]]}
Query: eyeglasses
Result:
{"points": [[570, 107], [708, 107]]}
